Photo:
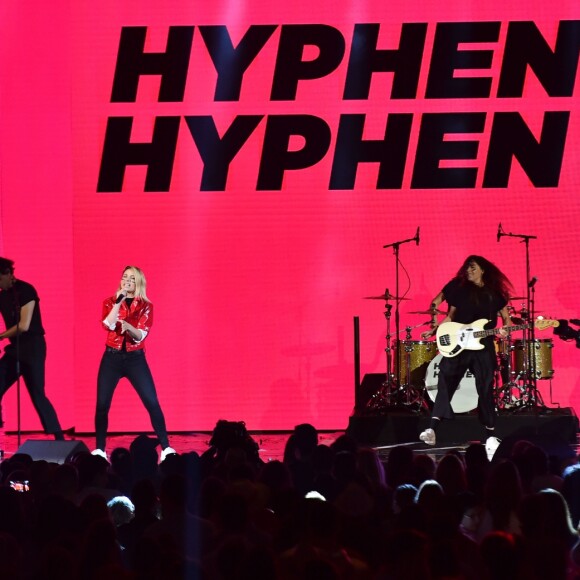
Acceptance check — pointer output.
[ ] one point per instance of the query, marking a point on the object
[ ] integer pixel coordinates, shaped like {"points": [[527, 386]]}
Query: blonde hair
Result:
{"points": [[140, 283]]}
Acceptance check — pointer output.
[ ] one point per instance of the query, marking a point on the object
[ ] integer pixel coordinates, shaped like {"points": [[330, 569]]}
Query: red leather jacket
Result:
{"points": [[140, 315]]}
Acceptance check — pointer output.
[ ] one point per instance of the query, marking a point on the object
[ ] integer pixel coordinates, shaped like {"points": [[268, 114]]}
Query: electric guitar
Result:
{"points": [[454, 337]]}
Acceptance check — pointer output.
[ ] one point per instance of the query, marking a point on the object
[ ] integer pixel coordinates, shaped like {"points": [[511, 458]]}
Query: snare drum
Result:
{"points": [[465, 397], [540, 357], [414, 358]]}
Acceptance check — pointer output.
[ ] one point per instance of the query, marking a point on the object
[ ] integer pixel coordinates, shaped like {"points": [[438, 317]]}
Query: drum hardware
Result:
{"points": [[531, 397], [386, 296], [401, 387], [411, 366], [391, 393], [507, 396], [433, 311], [541, 353]]}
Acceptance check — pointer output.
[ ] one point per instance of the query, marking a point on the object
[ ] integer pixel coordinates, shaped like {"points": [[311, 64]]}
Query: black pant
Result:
{"points": [[32, 357], [482, 364], [133, 366]]}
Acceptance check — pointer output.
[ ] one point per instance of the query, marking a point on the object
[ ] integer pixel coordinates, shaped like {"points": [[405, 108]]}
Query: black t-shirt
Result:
{"points": [[12, 300], [473, 302]]}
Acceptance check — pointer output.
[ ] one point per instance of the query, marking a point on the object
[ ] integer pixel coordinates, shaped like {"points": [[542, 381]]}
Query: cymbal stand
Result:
{"points": [[530, 393], [384, 397], [396, 246], [505, 376]]}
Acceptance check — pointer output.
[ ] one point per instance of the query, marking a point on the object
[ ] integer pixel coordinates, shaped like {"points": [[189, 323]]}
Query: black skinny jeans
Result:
{"points": [[32, 363], [115, 365]]}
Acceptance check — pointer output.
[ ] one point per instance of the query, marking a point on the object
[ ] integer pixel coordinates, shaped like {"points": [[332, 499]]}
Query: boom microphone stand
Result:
{"points": [[396, 246], [529, 375]]}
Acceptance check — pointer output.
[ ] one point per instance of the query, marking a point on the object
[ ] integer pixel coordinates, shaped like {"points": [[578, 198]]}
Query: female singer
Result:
{"points": [[127, 318]]}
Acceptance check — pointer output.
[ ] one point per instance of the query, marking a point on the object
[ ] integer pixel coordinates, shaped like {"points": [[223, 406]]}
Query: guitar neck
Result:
{"points": [[490, 331]]}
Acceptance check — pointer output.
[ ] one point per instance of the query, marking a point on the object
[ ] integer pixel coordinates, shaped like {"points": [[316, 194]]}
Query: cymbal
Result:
{"points": [[434, 311], [385, 297], [518, 298]]}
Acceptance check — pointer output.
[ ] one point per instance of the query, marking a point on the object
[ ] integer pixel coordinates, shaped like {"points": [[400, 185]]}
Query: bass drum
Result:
{"points": [[465, 397]]}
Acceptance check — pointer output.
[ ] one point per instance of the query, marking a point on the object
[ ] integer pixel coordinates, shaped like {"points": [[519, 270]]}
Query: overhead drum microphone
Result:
{"points": [[417, 240], [499, 232]]}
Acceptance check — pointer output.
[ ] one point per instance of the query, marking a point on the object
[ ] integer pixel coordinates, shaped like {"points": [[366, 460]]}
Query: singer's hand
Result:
{"points": [[125, 326], [503, 331]]}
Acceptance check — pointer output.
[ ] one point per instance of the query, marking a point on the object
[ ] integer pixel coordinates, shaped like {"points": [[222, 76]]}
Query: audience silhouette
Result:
{"points": [[337, 511]]}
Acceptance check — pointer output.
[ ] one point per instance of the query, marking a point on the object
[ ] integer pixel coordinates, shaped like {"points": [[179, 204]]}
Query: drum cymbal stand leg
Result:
{"points": [[386, 395], [505, 377]]}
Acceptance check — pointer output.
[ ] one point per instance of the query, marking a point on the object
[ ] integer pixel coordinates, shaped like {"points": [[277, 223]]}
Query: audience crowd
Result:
{"points": [[324, 512]]}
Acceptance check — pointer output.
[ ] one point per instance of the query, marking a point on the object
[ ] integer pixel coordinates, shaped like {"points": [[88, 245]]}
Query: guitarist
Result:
{"points": [[25, 356], [479, 290]]}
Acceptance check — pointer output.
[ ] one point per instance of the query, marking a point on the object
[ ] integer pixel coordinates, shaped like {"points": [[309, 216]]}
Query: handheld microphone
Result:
{"points": [[532, 282], [120, 298], [499, 232]]}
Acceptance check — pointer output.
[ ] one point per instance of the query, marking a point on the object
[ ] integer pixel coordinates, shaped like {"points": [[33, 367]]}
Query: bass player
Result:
{"points": [[479, 290]]}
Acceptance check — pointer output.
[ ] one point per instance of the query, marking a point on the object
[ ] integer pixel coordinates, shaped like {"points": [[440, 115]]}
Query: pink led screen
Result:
{"points": [[253, 159]]}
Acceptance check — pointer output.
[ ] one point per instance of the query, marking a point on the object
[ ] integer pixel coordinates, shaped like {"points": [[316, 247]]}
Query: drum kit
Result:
{"points": [[412, 366], [413, 369]]}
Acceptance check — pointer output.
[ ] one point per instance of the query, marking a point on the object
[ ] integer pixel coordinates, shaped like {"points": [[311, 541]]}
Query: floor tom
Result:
{"points": [[539, 357]]}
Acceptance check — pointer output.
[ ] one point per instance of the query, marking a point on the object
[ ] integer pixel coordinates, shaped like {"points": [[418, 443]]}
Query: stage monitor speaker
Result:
{"points": [[52, 451]]}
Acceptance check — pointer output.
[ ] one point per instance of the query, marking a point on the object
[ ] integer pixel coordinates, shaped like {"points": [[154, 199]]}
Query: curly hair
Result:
{"points": [[492, 276]]}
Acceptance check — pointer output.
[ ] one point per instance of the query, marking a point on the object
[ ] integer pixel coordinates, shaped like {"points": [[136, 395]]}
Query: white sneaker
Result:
{"points": [[491, 446], [167, 451], [428, 437], [100, 453]]}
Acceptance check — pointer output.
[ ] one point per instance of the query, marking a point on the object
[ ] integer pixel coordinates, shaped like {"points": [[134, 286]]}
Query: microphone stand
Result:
{"points": [[528, 337], [17, 341], [396, 246]]}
